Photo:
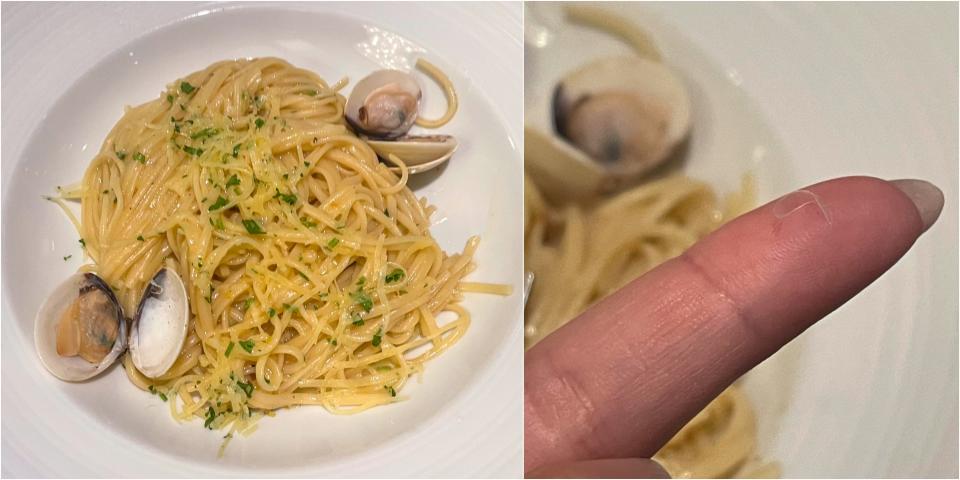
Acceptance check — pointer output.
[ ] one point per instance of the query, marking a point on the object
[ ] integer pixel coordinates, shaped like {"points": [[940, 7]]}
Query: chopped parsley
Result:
{"points": [[187, 88], [233, 180], [253, 227], [140, 237], [271, 312], [288, 198], [357, 320], [169, 98], [205, 133], [211, 414], [229, 349], [140, 158], [193, 151], [377, 337], [362, 280], [236, 150], [220, 203], [393, 393], [246, 387], [121, 155], [395, 276], [248, 303], [307, 223], [362, 299], [259, 123], [67, 258], [247, 345]]}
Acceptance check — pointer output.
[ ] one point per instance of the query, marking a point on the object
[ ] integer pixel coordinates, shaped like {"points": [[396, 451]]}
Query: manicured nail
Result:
{"points": [[925, 196]]}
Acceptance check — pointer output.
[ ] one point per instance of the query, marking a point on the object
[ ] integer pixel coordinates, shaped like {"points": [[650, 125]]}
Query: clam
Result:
{"points": [[622, 116], [81, 329], [160, 326], [384, 104], [382, 107], [420, 152]]}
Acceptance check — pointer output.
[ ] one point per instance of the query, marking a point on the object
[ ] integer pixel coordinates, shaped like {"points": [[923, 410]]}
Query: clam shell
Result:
{"points": [[73, 369], [634, 75], [376, 80], [419, 152], [160, 326]]}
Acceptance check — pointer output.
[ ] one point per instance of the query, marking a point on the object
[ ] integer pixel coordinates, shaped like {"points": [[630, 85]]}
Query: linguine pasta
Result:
{"points": [[310, 269]]}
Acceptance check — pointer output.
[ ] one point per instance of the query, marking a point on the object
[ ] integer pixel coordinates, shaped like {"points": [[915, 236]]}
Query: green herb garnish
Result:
{"points": [[121, 155], [248, 303], [218, 223], [253, 227], [140, 158], [333, 242], [362, 299], [187, 88], [229, 349], [193, 151], [140, 237], [236, 150], [271, 312], [211, 415], [288, 198], [67, 258], [233, 180], [395, 276], [205, 133], [246, 387], [220, 203], [247, 345], [377, 337], [259, 123], [357, 320], [393, 393], [169, 98]]}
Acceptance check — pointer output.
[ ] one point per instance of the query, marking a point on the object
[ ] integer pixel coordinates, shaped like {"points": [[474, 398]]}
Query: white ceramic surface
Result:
{"points": [[67, 75], [798, 93]]}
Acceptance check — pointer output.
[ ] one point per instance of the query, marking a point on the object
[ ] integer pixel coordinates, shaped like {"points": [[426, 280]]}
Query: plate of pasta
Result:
{"points": [[270, 246]]}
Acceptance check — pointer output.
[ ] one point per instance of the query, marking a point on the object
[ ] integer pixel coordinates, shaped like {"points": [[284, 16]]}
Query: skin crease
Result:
{"points": [[627, 374]]}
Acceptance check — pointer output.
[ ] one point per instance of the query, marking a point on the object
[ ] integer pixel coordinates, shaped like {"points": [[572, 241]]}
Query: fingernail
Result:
{"points": [[925, 196]]}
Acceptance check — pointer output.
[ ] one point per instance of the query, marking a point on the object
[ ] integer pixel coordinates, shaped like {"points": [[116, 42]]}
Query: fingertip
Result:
{"points": [[925, 196]]}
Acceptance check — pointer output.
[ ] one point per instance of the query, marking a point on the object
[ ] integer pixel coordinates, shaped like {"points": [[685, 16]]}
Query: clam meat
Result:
{"points": [[81, 330]]}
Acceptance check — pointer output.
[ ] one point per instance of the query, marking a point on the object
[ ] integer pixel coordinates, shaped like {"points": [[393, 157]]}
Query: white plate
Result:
{"points": [[799, 93], [463, 419]]}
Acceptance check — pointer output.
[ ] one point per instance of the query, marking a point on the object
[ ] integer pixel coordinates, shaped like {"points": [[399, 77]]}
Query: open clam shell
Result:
{"points": [[419, 152], [74, 368], [384, 104], [160, 326], [615, 119]]}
